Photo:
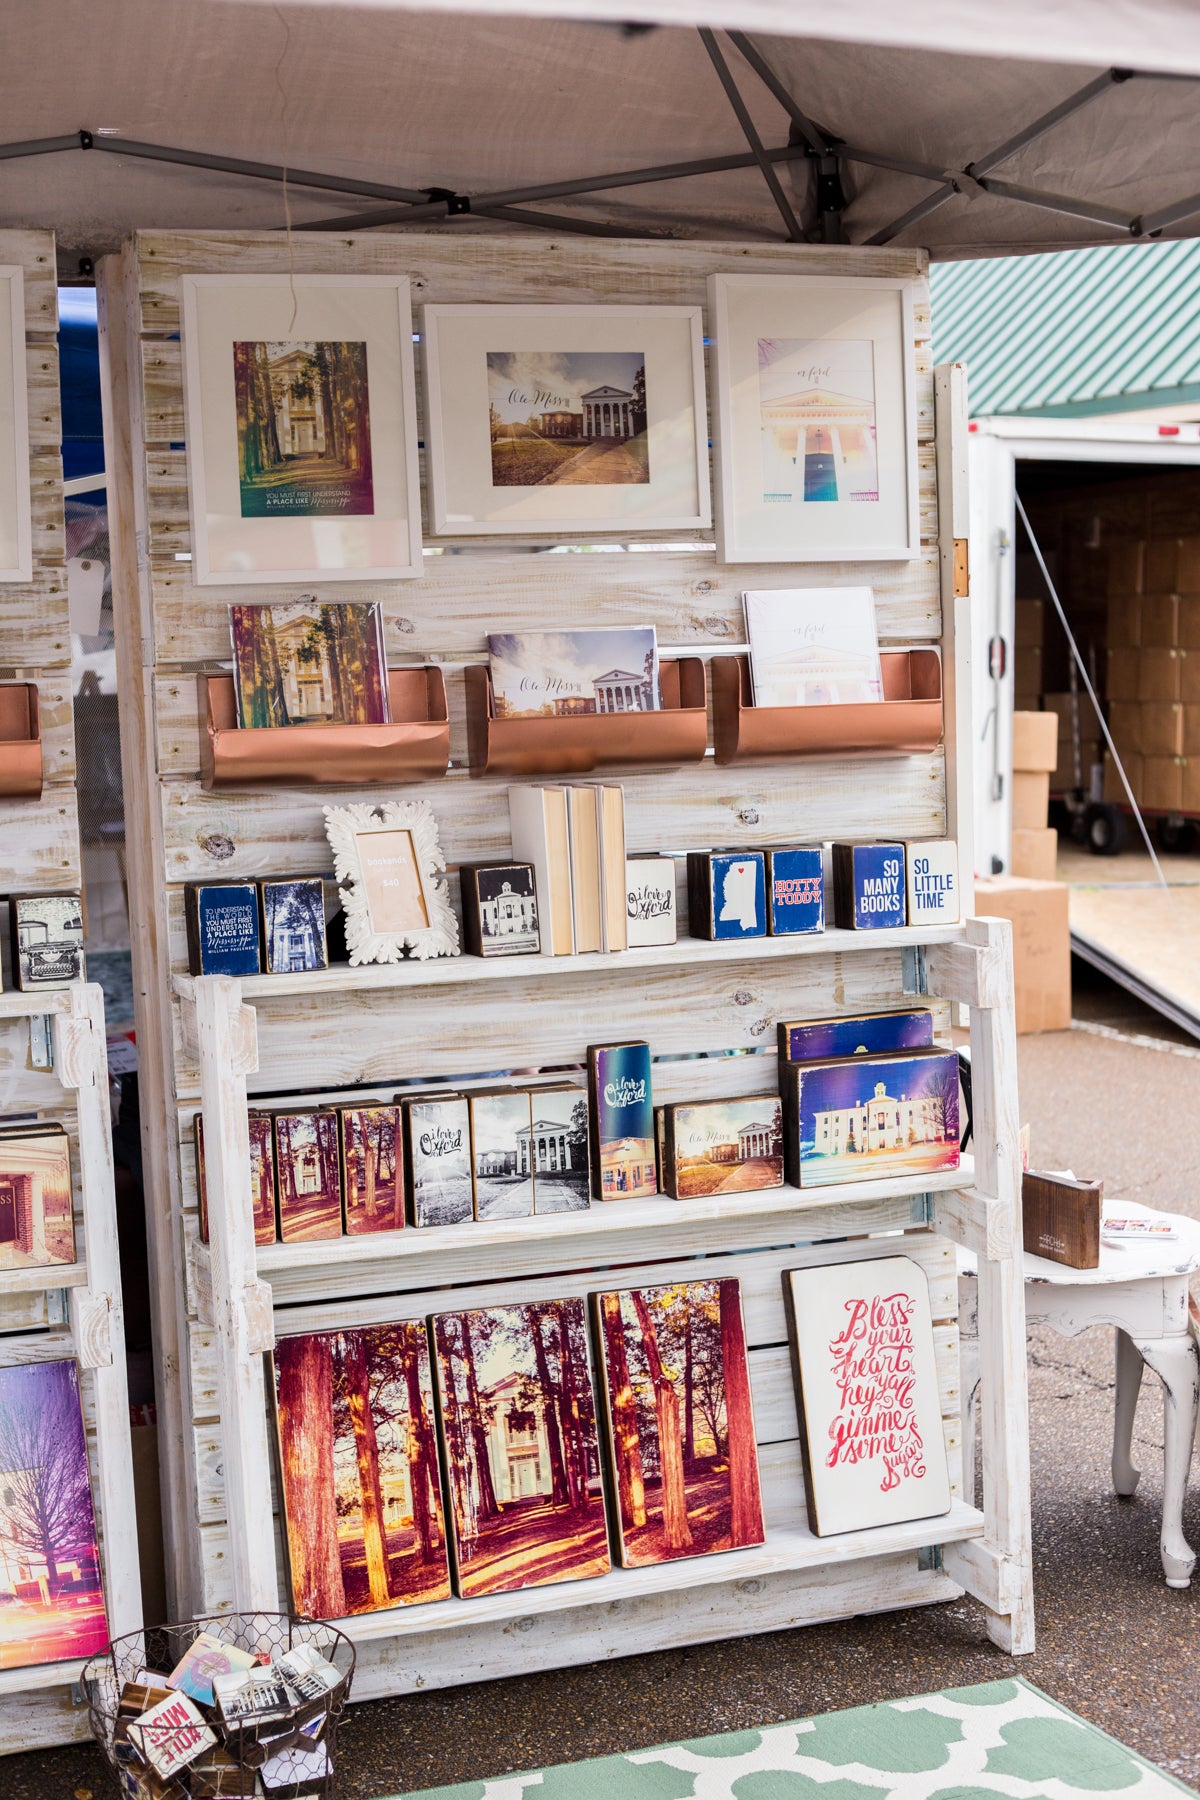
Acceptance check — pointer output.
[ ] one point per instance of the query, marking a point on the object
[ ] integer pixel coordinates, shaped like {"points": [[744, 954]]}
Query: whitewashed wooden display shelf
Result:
{"points": [[708, 1010], [73, 1310], [42, 1705]]}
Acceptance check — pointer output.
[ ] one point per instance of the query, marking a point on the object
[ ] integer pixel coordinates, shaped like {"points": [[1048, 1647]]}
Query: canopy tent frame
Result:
{"points": [[826, 154]]}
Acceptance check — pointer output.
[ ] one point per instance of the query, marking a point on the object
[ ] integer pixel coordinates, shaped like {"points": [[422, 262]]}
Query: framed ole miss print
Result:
{"points": [[301, 428], [865, 1369], [816, 422], [547, 419]]}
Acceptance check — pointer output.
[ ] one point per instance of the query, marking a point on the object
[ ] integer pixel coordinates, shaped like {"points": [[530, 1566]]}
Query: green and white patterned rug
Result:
{"points": [[973, 1743]]}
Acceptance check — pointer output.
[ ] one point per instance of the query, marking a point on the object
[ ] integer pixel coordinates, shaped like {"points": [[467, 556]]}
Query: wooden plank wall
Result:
{"points": [[169, 630], [39, 839], [40, 853]]}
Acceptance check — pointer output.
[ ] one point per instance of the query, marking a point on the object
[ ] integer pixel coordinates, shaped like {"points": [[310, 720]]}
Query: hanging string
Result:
{"points": [[1186, 945], [287, 202]]}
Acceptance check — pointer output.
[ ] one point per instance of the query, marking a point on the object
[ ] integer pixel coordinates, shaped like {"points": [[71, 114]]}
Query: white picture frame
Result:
{"points": [[309, 512], [16, 520], [485, 363], [381, 926], [861, 1336], [849, 342]]}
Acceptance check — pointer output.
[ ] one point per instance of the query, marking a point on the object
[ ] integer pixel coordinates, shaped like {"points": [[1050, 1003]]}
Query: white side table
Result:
{"points": [[1142, 1290]]}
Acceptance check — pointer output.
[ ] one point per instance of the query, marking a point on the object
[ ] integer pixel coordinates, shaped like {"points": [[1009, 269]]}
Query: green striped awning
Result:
{"points": [[1073, 334]]}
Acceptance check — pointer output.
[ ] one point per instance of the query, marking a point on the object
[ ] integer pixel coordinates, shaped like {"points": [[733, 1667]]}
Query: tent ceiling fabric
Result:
{"points": [[477, 104]]}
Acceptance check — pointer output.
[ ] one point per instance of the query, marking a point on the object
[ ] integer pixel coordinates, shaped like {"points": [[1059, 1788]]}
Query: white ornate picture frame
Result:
{"points": [[395, 898]]}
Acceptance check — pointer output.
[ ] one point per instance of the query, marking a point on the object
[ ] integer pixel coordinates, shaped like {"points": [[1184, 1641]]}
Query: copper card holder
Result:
{"points": [[415, 746], [20, 741], [908, 718], [575, 743]]}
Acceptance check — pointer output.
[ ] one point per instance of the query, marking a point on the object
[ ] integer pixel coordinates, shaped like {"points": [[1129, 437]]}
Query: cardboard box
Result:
{"points": [[1124, 668], [1031, 798], [1191, 730], [1162, 784], [1125, 724], [1190, 785], [1034, 852], [1160, 566], [1189, 622], [1187, 578], [1189, 677], [1125, 566], [1161, 730], [1114, 788], [1124, 625], [1027, 669], [1030, 632], [1158, 622], [1041, 946], [1035, 740], [1063, 776], [1160, 675], [1063, 707]]}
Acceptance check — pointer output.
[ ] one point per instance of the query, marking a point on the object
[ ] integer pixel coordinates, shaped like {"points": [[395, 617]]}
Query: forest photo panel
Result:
{"points": [[676, 1388], [359, 1474], [518, 1418]]}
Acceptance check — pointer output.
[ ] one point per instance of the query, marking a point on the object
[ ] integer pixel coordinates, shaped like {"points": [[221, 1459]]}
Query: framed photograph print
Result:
{"points": [[16, 526], [391, 857], [552, 419], [301, 428], [815, 416], [865, 1369]]}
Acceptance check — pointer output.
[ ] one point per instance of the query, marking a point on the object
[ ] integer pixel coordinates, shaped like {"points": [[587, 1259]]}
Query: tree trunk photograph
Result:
{"points": [[361, 1490], [675, 1381], [518, 1408]]}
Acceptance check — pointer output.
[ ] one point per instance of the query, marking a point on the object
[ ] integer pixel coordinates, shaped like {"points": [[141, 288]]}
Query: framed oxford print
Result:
{"points": [[16, 528], [396, 899], [553, 419], [301, 428], [815, 416]]}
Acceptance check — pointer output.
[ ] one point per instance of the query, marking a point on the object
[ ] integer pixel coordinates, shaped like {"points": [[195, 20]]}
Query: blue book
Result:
{"points": [[621, 1121], [795, 891], [816, 1040], [222, 928], [868, 886], [727, 893]]}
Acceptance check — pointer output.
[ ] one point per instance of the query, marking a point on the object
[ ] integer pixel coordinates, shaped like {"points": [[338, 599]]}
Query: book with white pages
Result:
{"points": [[540, 835], [614, 925], [584, 825], [813, 646]]}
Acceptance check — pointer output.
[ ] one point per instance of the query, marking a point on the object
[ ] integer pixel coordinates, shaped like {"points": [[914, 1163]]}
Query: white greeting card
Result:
{"points": [[813, 646]]}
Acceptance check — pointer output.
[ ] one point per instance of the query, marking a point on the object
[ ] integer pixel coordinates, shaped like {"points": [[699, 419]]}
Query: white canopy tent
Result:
{"points": [[930, 123]]}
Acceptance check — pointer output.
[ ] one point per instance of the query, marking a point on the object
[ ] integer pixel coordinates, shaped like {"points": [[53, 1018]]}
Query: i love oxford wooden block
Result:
{"points": [[868, 886], [933, 893]]}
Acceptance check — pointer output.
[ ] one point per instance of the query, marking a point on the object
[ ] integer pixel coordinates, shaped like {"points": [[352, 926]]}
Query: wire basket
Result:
{"points": [[289, 1756]]}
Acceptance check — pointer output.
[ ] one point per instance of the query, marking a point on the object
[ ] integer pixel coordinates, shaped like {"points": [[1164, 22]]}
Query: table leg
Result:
{"points": [[1129, 1382], [1176, 1362]]}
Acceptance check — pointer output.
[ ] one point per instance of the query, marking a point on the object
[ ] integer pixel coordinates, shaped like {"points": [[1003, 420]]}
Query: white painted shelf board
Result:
{"points": [[41, 1280], [785, 1550], [603, 1219], [686, 953], [31, 1006], [49, 1675]]}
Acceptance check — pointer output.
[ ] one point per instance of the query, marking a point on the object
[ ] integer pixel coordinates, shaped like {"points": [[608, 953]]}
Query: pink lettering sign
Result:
{"points": [[872, 1367]]}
